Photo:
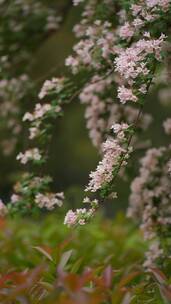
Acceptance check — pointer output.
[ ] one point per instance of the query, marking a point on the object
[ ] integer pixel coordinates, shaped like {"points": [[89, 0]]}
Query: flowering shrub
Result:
{"points": [[23, 26], [138, 48], [121, 55]]}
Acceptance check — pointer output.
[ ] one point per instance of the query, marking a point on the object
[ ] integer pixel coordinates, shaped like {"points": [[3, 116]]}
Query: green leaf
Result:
{"points": [[44, 252], [64, 259]]}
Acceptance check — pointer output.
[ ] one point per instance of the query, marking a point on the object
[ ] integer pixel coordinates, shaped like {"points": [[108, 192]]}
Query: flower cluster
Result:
{"points": [[101, 111], [115, 154], [16, 22], [49, 200], [29, 155], [134, 64], [45, 111], [151, 194], [40, 113], [167, 126], [81, 216], [125, 95], [99, 43], [144, 13], [150, 11], [51, 86], [12, 90], [32, 193], [154, 253], [92, 97]]}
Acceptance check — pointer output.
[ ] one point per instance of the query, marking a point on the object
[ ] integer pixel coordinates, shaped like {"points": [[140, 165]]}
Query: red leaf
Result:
{"points": [[108, 276], [159, 275], [165, 292], [13, 278]]}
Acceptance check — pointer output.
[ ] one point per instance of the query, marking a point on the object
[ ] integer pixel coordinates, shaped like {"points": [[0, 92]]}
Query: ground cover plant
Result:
{"points": [[119, 70], [48, 263]]}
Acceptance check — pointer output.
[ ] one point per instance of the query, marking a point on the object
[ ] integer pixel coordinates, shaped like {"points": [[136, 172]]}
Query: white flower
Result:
{"points": [[49, 200], [32, 154]]}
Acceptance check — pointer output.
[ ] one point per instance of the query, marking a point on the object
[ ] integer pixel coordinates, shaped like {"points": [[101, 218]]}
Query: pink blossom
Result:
{"points": [[15, 198], [164, 4], [126, 31], [167, 126], [70, 218], [49, 86], [125, 95], [136, 9], [49, 200], [112, 150]]}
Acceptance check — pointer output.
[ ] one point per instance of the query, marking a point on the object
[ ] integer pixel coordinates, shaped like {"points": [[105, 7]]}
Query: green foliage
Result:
{"points": [[42, 261]]}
